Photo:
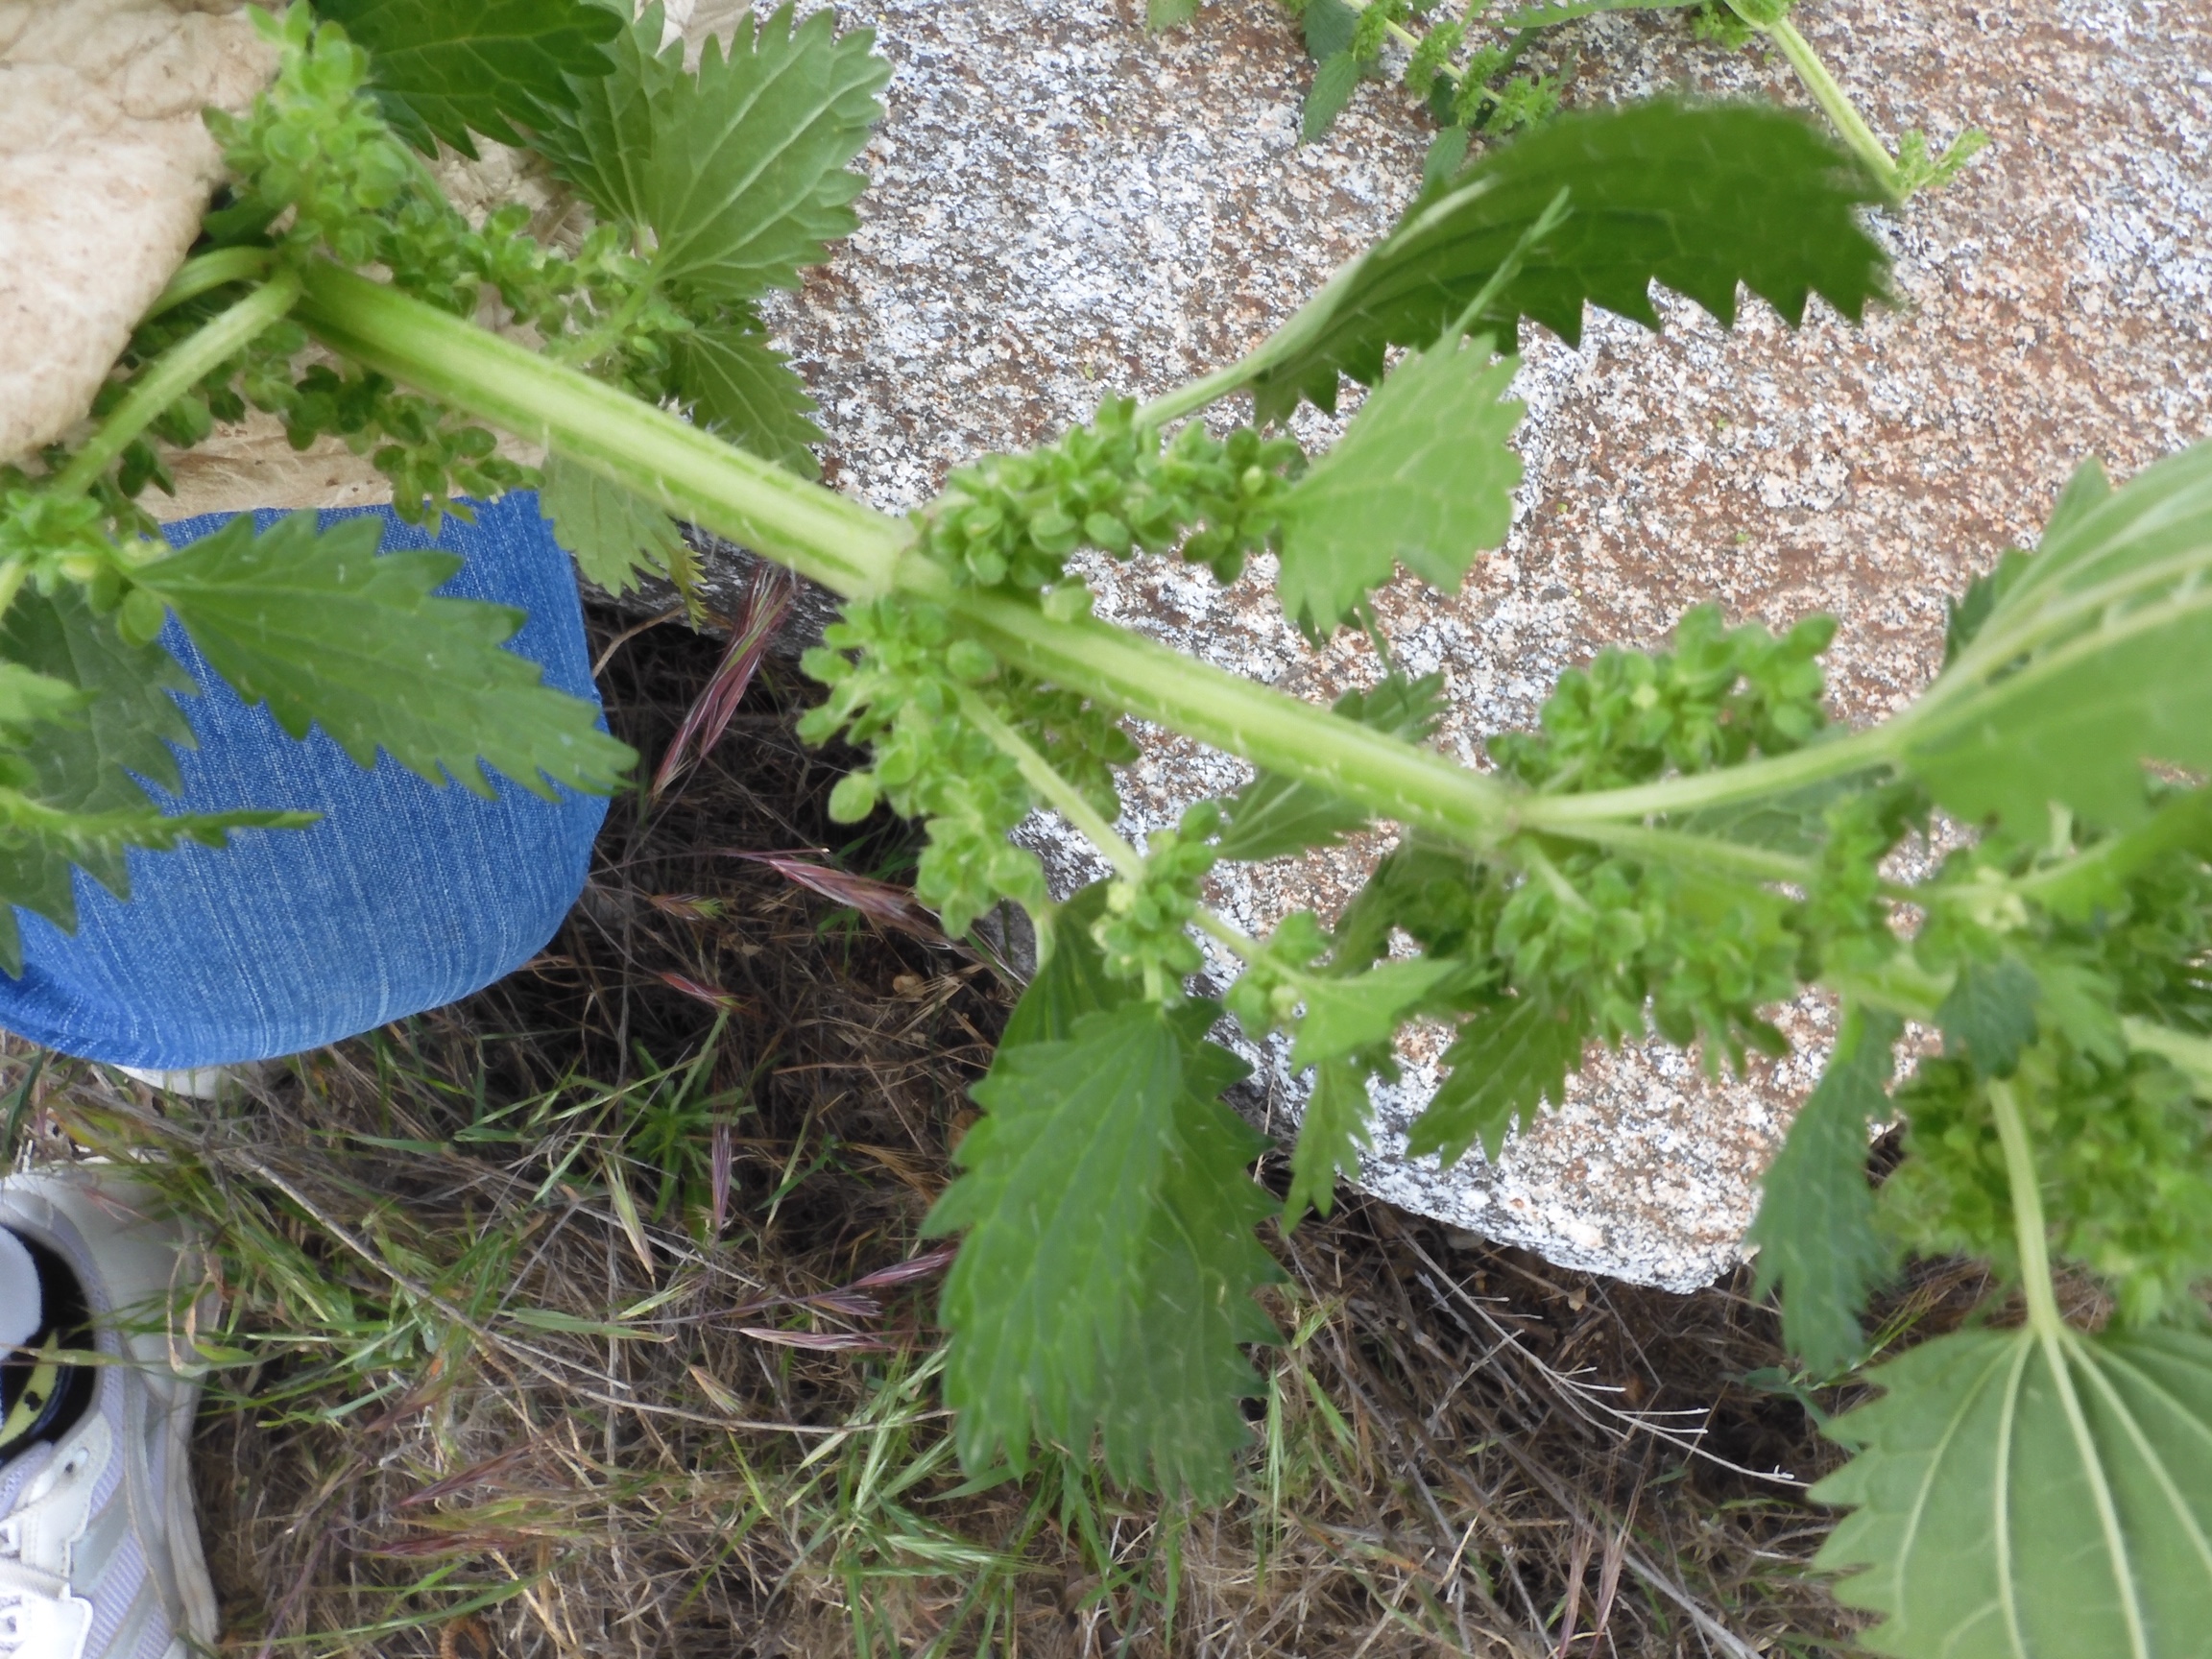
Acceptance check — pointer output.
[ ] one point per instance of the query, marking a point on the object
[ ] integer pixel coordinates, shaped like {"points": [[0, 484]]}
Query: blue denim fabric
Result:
{"points": [[404, 896]]}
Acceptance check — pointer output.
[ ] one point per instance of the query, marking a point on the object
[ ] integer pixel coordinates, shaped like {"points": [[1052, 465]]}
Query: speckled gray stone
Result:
{"points": [[1063, 205]]}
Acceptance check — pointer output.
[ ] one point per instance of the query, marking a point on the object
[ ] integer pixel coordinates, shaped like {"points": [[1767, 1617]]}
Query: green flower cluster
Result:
{"points": [[1011, 520], [1145, 931], [1718, 697], [895, 675]]}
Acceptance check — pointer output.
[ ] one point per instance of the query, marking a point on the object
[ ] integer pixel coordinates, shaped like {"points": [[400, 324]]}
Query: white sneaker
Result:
{"points": [[99, 1552]]}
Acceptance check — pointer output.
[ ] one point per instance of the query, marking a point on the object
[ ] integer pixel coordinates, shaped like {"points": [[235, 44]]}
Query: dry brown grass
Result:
{"points": [[519, 1293]]}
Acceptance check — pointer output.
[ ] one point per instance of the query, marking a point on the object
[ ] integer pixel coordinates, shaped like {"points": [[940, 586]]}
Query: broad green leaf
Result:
{"points": [[740, 387], [1814, 1231], [38, 840], [1072, 981], [1568, 10], [2093, 659], [748, 181], [1102, 1288], [602, 141], [1167, 14], [612, 533], [1988, 1523], [1507, 1065], [1422, 477], [445, 68], [1990, 1013], [1329, 25], [329, 634], [1272, 816], [1333, 81], [1698, 199], [1361, 1010], [1332, 1132], [86, 766]]}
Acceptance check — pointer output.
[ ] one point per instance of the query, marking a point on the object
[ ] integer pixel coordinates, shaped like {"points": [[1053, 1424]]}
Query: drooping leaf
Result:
{"points": [[86, 766], [1332, 1132], [445, 68], [1988, 1522], [740, 387], [329, 634], [1360, 1010], [748, 181], [1507, 1065], [1273, 816], [612, 533], [1700, 200], [1333, 81], [1990, 1013], [1422, 477], [77, 802], [2095, 659], [1814, 1231], [1104, 1280]]}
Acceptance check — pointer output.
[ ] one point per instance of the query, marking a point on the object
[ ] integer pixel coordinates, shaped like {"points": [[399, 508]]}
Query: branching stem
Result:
{"points": [[176, 373], [208, 272]]}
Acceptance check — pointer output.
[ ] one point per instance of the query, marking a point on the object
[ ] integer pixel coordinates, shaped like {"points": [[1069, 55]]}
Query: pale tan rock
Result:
{"points": [[105, 170]]}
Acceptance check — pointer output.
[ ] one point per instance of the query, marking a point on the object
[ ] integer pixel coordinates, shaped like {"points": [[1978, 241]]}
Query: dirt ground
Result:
{"points": [[589, 1317]]}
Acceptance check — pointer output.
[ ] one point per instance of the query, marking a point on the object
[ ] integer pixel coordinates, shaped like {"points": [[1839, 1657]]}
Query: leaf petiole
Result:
{"points": [[174, 373], [208, 272], [1828, 92]]}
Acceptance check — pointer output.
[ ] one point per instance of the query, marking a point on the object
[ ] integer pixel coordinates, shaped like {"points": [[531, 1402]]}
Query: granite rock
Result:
{"points": [[1063, 205]]}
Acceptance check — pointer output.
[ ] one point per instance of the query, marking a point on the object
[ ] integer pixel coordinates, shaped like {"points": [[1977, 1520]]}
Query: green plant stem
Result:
{"points": [[860, 553], [2057, 1341], [172, 374], [1065, 799], [1828, 92], [1062, 796], [842, 545], [2028, 1228], [208, 272]]}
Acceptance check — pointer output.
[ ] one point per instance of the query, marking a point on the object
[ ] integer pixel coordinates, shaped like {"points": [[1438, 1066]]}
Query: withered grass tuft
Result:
{"points": [[589, 1317]]}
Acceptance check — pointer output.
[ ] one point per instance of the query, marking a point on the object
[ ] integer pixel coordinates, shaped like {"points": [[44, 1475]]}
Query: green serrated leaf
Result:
{"points": [[603, 140], [1507, 1065], [742, 387], [612, 533], [86, 766], [1422, 477], [1990, 1520], [1273, 816], [330, 634], [445, 68], [1103, 1285], [1700, 200], [1356, 1012], [2095, 659], [1329, 25], [1072, 981], [1330, 1133], [1333, 81], [1990, 1013], [1815, 1232], [747, 181]]}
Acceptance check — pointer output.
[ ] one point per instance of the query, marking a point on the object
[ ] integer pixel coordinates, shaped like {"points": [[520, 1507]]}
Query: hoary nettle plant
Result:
{"points": [[1684, 842]]}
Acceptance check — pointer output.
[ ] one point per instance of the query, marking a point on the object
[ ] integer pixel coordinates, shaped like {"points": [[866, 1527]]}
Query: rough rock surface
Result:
{"points": [[105, 170], [1062, 205]]}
